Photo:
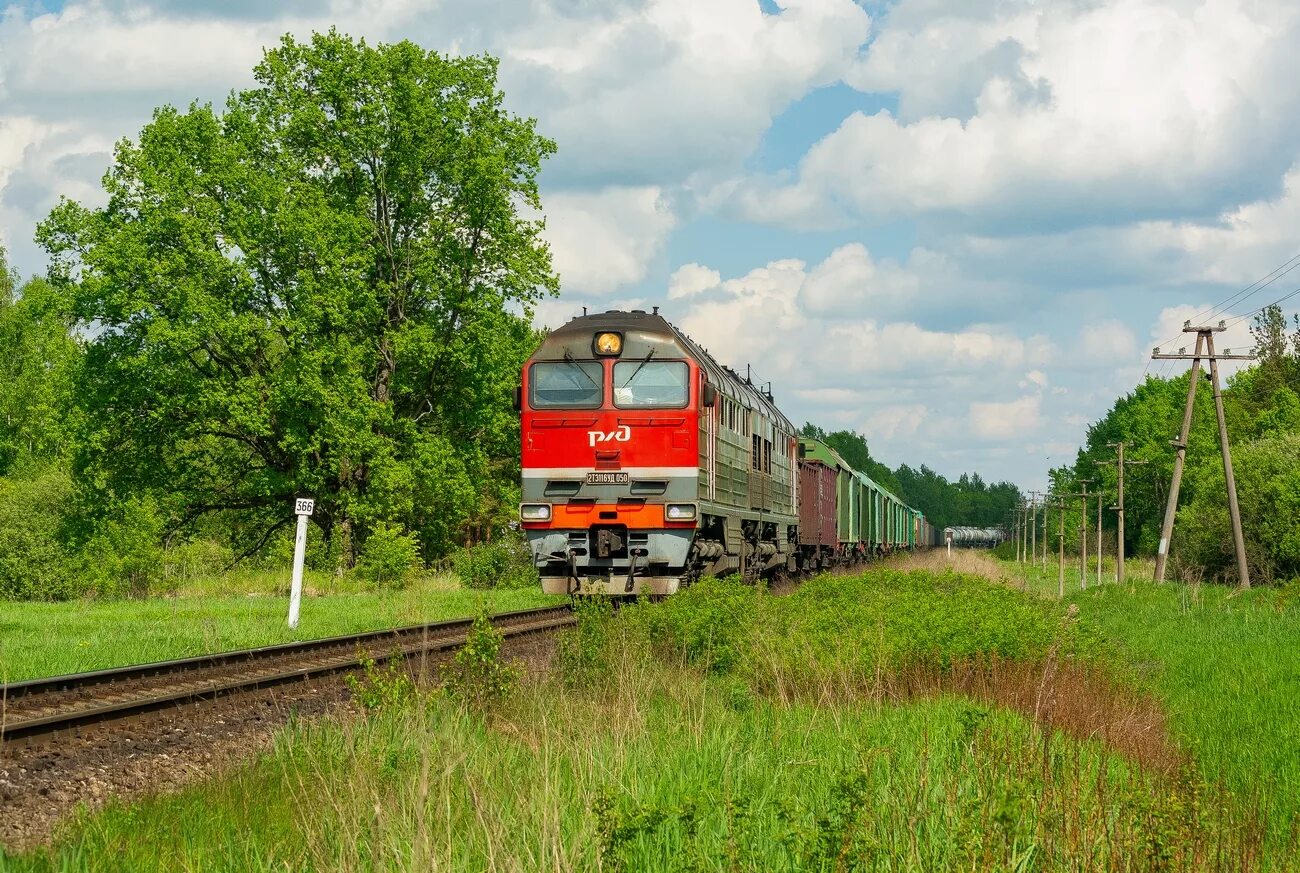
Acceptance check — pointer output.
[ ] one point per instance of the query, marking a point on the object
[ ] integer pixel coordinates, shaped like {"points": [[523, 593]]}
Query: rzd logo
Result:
{"points": [[620, 435]]}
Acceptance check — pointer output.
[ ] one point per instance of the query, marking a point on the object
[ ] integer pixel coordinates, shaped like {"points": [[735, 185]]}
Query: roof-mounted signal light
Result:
{"points": [[608, 343]]}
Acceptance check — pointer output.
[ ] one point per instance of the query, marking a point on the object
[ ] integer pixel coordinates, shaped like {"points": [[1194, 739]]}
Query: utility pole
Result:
{"points": [[1024, 531], [1099, 496], [1045, 507], [1060, 546], [1033, 527], [1204, 340], [1119, 514], [1083, 535], [1119, 463]]}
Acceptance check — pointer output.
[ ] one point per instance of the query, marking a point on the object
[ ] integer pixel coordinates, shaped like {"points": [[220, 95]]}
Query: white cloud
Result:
{"points": [[865, 346], [17, 134], [909, 387], [640, 96], [1002, 420], [900, 420], [92, 49], [1058, 112], [666, 88], [850, 279], [603, 240], [1240, 245], [754, 318], [1104, 344], [690, 279]]}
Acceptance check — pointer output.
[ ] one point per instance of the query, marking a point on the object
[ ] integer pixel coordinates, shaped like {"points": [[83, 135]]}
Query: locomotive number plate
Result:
{"points": [[607, 478]]}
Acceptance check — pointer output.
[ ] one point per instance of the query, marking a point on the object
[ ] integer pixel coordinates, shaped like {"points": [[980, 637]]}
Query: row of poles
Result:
{"points": [[1026, 526]]}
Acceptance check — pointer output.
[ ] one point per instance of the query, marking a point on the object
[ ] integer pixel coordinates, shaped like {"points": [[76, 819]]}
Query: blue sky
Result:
{"points": [[955, 225]]}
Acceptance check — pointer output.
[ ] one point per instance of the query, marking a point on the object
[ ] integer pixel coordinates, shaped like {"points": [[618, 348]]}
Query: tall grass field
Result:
{"points": [[898, 719]]}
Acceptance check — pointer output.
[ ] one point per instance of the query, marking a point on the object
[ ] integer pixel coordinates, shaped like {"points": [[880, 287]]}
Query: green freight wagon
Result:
{"points": [[868, 519]]}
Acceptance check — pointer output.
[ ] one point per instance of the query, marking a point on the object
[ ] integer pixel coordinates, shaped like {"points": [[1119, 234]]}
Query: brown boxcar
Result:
{"points": [[817, 505]]}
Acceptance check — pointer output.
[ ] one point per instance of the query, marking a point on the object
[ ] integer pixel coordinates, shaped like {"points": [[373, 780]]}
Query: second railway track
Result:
{"points": [[44, 711]]}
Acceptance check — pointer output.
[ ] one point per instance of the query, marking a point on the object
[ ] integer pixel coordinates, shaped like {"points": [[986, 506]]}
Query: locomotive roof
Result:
{"points": [[643, 331]]}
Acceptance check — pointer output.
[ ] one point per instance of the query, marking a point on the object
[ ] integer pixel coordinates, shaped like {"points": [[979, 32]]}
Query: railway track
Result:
{"points": [[44, 711]]}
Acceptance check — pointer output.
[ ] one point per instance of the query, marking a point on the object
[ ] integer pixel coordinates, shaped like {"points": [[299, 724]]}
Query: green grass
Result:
{"points": [[716, 731], [230, 612], [1227, 666], [673, 777]]}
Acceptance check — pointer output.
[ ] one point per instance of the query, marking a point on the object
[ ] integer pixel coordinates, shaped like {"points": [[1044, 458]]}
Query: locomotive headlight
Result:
{"points": [[608, 343], [680, 512], [535, 511]]}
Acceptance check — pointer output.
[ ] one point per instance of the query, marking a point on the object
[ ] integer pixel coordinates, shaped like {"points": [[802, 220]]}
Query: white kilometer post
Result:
{"points": [[302, 507]]}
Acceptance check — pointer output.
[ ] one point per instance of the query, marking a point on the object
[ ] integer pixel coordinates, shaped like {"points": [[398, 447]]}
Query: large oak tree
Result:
{"points": [[322, 290]]}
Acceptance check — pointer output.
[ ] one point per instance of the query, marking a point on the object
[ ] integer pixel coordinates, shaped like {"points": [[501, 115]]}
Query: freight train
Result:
{"points": [[647, 464]]}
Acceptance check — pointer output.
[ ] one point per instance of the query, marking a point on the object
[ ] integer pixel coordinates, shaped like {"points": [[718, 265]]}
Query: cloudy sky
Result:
{"points": [[958, 226]]}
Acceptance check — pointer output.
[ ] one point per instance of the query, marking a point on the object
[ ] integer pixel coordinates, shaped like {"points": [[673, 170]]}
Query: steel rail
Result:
{"points": [[253, 669]]}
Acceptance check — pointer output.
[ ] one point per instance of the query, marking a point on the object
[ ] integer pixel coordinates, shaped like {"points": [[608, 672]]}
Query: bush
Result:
{"points": [[1268, 488], [708, 624], [891, 619], [381, 688], [195, 559], [584, 653], [123, 556], [34, 565], [505, 563], [321, 554], [477, 676], [390, 557]]}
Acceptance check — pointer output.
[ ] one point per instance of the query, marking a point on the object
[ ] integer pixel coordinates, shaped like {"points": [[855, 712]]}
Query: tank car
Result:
{"points": [[646, 463], [974, 537]]}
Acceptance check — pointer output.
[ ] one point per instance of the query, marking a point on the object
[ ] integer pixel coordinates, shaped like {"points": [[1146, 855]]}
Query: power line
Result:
{"points": [[1275, 274], [1260, 288], [1242, 318]]}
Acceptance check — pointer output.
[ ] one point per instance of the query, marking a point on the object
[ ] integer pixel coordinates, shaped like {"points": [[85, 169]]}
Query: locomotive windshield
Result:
{"points": [[566, 385], [651, 384]]}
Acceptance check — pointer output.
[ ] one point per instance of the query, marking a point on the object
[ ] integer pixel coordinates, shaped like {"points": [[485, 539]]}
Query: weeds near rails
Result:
{"points": [[478, 676], [379, 688]]}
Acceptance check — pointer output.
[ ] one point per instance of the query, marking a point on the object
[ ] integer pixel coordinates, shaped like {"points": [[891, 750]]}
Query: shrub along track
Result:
{"points": [[89, 736]]}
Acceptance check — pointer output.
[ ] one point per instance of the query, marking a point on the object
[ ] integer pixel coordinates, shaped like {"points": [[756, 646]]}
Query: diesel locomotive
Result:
{"points": [[647, 464]]}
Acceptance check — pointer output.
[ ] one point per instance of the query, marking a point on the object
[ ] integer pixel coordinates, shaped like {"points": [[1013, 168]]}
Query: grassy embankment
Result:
{"points": [[1224, 663], [231, 611], [887, 721]]}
